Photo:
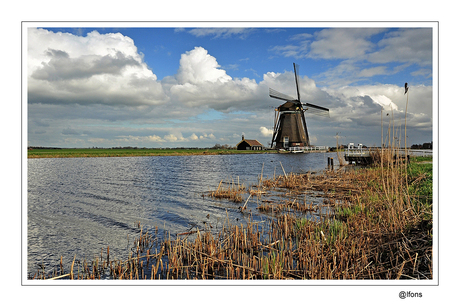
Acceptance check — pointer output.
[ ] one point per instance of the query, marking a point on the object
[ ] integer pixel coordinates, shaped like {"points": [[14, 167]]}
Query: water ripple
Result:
{"points": [[76, 207]]}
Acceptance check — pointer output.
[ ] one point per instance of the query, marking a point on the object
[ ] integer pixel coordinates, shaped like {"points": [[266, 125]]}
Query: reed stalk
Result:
{"points": [[372, 233]]}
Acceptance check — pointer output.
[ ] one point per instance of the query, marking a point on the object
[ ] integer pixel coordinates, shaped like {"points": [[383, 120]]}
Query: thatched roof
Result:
{"points": [[250, 142]]}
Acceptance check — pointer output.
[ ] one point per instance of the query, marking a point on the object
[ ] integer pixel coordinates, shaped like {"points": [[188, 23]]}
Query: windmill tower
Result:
{"points": [[290, 128]]}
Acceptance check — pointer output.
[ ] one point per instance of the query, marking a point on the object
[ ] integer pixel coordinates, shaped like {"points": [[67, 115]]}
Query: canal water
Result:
{"points": [[77, 207]]}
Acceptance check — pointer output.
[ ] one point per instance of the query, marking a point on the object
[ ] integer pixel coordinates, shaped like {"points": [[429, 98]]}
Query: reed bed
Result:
{"points": [[231, 191], [379, 227]]}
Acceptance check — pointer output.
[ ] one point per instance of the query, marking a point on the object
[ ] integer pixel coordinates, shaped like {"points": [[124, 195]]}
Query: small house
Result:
{"points": [[245, 144]]}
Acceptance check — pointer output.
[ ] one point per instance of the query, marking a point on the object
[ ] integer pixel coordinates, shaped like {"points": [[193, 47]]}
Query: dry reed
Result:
{"points": [[374, 234]]}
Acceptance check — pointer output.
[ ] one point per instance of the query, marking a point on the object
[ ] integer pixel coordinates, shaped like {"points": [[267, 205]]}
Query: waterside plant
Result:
{"points": [[378, 226]]}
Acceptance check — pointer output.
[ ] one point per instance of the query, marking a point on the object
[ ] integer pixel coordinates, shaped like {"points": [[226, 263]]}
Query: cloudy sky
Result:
{"points": [[197, 86]]}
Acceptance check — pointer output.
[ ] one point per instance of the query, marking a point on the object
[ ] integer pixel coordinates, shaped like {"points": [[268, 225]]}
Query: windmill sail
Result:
{"points": [[296, 68], [317, 110], [277, 95], [290, 124]]}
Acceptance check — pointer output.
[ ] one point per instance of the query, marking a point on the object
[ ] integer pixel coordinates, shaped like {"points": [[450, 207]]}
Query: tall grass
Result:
{"points": [[373, 233]]}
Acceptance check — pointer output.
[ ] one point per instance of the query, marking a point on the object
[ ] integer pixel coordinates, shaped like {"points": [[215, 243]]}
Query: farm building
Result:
{"points": [[249, 145]]}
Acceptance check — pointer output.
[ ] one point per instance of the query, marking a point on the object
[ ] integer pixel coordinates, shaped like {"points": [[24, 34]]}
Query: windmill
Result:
{"points": [[290, 128]]}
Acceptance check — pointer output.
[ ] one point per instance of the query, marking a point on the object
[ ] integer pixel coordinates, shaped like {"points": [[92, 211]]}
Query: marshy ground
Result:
{"points": [[352, 223]]}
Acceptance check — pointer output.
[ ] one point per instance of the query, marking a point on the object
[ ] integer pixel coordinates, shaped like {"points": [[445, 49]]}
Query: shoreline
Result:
{"points": [[104, 153], [109, 152]]}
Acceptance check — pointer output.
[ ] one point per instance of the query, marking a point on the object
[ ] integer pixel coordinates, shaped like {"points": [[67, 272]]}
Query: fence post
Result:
{"points": [[330, 163]]}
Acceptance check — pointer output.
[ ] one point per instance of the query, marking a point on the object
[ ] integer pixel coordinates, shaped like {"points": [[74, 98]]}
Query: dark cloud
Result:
{"points": [[405, 45], [62, 67], [70, 131], [369, 105], [85, 96], [40, 122]]}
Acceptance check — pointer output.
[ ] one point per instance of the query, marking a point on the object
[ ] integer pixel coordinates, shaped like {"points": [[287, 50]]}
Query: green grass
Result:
{"points": [[419, 193], [344, 212], [421, 186], [130, 152], [422, 159]]}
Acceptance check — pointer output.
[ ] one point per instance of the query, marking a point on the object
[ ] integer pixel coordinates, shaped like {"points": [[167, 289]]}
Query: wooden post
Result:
{"points": [[330, 163]]}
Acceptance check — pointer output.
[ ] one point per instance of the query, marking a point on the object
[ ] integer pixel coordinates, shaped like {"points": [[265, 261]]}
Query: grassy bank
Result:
{"points": [[379, 226], [108, 152]]}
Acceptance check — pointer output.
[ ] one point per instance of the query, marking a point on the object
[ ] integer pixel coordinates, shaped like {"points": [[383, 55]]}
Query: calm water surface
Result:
{"points": [[79, 206]]}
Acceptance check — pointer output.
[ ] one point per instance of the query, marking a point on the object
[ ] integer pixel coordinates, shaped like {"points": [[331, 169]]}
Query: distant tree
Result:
{"points": [[422, 146], [225, 146]]}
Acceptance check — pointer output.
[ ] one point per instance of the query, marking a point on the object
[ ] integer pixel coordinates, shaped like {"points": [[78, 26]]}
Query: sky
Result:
{"points": [[184, 85]]}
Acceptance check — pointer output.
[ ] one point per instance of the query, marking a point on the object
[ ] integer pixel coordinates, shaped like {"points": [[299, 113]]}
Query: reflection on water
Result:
{"points": [[79, 206]]}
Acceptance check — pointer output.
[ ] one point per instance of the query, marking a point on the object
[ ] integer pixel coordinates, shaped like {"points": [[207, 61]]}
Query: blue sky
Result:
{"points": [[244, 52], [200, 86]]}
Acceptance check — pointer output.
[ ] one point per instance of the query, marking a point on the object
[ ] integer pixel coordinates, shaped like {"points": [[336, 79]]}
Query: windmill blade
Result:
{"points": [[275, 94], [296, 68], [304, 122], [317, 110], [275, 133], [310, 105]]}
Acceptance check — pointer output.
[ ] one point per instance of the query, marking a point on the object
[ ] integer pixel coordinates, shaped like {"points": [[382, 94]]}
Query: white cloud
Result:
{"points": [[369, 72], [154, 138], [172, 138], [200, 82], [422, 72], [342, 43], [134, 140], [148, 140], [301, 36], [197, 66], [266, 132], [95, 69], [359, 51], [289, 50], [205, 136], [336, 43], [381, 95]]}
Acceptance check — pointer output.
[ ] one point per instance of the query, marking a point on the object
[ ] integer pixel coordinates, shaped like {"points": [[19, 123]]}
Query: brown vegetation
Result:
{"points": [[377, 228]]}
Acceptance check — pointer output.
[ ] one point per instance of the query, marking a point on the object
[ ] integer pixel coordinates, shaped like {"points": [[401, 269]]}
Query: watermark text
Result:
{"points": [[409, 294]]}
